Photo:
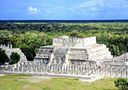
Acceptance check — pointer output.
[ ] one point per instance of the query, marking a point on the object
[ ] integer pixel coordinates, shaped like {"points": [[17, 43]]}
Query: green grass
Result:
{"points": [[10, 82]]}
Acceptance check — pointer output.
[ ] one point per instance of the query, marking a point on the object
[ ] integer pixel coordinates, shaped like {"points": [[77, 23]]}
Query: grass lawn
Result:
{"points": [[23, 82]]}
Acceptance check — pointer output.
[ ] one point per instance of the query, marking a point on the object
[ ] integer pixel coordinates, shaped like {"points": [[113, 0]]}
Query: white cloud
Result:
{"points": [[88, 6], [33, 10]]}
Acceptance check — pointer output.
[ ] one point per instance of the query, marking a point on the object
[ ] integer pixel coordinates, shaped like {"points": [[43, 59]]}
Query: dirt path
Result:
{"points": [[36, 79], [2, 75]]}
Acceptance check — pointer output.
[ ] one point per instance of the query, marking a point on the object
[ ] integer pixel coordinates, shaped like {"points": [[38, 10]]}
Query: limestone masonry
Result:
{"points": [[73, 57], [8, 50], [70, 50]]}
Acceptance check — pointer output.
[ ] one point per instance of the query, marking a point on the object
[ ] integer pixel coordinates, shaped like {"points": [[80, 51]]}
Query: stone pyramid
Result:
{"points": [[73, 50]]}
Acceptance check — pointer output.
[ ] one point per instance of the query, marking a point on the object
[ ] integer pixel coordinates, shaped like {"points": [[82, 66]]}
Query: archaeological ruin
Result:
{"points": [[72, 50], [8, 50], [74, 57]]}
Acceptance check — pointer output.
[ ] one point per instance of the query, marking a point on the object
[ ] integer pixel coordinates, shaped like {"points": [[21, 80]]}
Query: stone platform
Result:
{"points": [[68, 50], [74, 57], [53, 75]]}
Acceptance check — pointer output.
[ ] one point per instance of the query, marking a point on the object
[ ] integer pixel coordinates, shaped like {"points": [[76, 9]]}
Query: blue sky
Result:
{"points": [[63, 9]]}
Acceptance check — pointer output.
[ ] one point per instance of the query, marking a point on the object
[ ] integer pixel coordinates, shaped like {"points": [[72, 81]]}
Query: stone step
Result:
{"points": [[89, 49], [85, 56], [95, 48], [101, 56], [98, 52]]}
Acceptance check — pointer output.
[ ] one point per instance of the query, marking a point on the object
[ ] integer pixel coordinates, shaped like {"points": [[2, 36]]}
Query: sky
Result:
{"points": [[63, 9]]}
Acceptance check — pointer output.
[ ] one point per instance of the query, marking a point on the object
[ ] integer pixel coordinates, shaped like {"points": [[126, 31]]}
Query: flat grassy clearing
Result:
{"points": [[26, 82]]}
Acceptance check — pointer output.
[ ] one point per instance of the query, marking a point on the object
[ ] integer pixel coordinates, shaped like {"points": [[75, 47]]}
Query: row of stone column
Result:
{"points": [[55, 68], [82, 69], [5, 46]]}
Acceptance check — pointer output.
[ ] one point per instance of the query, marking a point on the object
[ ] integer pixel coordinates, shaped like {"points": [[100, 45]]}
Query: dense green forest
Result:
{"points": [[50, 27], [30, 36]]}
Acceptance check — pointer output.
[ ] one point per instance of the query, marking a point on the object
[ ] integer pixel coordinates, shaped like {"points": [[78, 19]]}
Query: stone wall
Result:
{"points": [[73, 41], [89, 68], [89, 41]]}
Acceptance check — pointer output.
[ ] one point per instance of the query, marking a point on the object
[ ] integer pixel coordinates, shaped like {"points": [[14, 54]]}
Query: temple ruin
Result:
{"points": [[74, 57], [9, 49], [73, 50]]}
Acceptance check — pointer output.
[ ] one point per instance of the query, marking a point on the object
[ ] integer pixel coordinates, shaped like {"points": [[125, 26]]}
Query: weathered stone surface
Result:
{"points": [[67, 49], [73, 41], [70, 58]]}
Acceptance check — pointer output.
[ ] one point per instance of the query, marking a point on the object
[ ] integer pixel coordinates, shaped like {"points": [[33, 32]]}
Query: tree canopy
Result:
{"points": [[3, 57], [29, 37], [15, 57]]}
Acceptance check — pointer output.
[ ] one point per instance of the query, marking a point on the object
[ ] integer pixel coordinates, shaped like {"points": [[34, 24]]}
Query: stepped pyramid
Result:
{"points": [[73, 50]]}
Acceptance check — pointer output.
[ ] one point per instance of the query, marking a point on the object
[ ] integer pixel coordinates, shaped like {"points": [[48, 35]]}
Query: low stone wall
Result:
{"points": [[90, 69], [115, 68]]}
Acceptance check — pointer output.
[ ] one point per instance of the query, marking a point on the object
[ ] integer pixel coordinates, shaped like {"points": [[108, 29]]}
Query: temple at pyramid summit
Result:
{"points": [[72, 50]]}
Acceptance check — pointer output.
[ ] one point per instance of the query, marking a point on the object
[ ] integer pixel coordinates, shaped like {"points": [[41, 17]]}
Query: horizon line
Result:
{"points": [[96, 20]]}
